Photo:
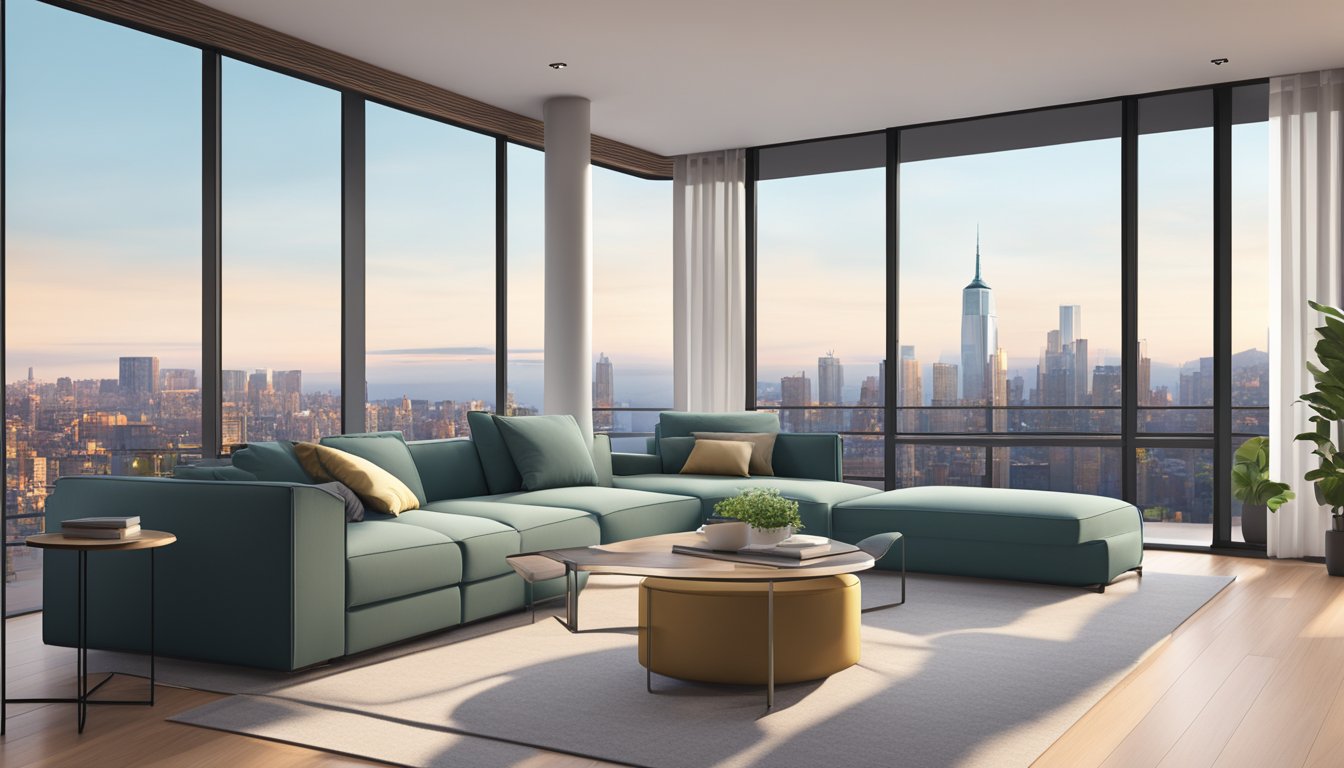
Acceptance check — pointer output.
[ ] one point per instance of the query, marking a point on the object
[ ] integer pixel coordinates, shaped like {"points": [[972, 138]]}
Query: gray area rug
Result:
{"points": [[967, 673]]}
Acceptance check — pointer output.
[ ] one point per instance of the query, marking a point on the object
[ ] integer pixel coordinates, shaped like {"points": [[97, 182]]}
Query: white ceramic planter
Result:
{"points": [[726, 536], [765, 536]]}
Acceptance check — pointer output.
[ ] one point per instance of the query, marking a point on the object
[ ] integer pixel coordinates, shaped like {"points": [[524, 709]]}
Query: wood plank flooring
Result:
{"points": [[1255, 678]]}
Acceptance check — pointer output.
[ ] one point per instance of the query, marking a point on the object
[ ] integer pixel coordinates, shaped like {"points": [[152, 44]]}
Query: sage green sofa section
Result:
{"points": [[1044, 536], [621, 513], [256, 577], [687, 423], [379, 624], [815, 497], [449, 469], [386, 560]]}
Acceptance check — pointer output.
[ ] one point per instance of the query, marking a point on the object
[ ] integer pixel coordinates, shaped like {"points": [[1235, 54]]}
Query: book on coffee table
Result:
{"points": [[770, 552], [102, 527]]}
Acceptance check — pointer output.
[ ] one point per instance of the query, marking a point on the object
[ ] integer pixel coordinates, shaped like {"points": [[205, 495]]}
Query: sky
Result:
{"points": [[103, 239]]}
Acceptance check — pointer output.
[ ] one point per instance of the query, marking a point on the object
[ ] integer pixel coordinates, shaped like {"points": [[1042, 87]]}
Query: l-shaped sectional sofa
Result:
{"points": [[268, 573]]}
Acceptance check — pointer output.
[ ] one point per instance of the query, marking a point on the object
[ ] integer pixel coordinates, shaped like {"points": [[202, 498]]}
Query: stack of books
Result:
{"points": [[102, 527]]}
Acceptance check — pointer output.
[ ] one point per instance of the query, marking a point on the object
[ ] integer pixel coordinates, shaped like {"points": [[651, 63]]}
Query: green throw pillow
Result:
{"points": [[674, 452], [386, 449], [273, 462], [550, 451]]}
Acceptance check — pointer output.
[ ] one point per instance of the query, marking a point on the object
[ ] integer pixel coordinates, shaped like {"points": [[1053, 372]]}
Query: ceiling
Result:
{"points": [[693, 75]]}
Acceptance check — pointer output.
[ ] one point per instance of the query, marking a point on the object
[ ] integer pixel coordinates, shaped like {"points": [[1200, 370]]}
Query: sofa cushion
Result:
{"points": [[354, 508], [501, 474], [762, 448], [683, 424], [815, 497], [538, 527], [272, 462], [386, 560], [379, 489], [484, 543], [199, 472], [448, 469], [674, 451], [386, 449], [989, 514], [621, 513], [719, 457], [549, 451]]}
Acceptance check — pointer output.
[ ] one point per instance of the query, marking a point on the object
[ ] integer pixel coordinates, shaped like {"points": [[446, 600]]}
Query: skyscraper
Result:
{"points": [[944, 394], [603, 393], [979, 335], [139, 375], [830, 390], [233, 386], [795, 393], [1070, 323]]}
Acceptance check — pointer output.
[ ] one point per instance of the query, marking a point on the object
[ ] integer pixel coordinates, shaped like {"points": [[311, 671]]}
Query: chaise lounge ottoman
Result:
{"points": [[1002, 533]]}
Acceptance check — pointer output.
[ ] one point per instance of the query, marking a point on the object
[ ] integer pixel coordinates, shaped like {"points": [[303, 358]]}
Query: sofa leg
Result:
{"points": [[1100, 589]]}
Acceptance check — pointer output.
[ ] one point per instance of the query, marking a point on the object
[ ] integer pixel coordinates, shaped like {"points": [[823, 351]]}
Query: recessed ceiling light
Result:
{"points": [[1214, 62], [558, 65]]}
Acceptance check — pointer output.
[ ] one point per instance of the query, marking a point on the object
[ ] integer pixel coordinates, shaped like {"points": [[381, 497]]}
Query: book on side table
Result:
{"points": [[102, 527]]}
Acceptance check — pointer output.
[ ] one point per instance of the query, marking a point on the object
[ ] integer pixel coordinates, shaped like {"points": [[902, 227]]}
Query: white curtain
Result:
{"points": [[709, 281], [1306, 156]]}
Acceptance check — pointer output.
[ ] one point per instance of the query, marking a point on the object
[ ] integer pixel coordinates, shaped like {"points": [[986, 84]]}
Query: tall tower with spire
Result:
{"points": [[979, 335]]}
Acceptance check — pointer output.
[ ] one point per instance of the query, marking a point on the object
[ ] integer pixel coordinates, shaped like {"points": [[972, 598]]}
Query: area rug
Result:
{"points": [[967, 673]]}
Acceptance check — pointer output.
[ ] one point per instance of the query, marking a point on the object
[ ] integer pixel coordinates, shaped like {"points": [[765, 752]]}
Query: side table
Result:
{"points": [[150, 540]]}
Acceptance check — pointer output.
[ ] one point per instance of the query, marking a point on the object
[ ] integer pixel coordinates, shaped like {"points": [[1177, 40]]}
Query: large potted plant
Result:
{"points": [[772, 517], [1327, 400], [1253, 488]]}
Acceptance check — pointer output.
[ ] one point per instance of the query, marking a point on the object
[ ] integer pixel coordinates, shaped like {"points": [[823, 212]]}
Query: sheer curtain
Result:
{"points": [[1306, 156], [709, 281]]}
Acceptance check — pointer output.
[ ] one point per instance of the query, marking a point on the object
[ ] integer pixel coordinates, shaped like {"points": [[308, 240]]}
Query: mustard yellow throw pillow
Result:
{"points": [[762, 448], [379, 489], [718, 457]]}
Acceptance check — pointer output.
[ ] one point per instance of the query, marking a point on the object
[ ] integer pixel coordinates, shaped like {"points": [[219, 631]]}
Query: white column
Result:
{"points": [[569, 260]]}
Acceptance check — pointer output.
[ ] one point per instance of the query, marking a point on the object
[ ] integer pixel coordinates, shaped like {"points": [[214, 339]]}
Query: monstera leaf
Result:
{"points": [[1327, 401]]}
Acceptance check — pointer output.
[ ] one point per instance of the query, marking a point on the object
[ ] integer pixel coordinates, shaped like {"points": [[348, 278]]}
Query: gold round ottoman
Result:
{"points": [[715, 631]]}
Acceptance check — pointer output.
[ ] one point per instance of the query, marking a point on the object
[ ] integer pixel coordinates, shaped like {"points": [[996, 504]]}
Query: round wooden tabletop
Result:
{"points": [[146, 539]]}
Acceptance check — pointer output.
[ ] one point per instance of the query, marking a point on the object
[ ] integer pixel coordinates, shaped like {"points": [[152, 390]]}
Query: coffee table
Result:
{"points": [[653, 556]]}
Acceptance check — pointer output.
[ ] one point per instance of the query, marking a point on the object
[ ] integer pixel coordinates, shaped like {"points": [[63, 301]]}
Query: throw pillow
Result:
{"points": [[674, 451], [354, 508], [379, 489], [386, 449], [762, 448], [718, 457], [273, 462], [550, 451]]}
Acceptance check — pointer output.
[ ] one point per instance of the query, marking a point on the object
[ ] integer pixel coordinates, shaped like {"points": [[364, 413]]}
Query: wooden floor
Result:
{"points": [[1255, 678]]}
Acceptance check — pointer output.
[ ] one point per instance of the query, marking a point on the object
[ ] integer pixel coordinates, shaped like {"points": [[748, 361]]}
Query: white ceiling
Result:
{"points": [[688, 75]]}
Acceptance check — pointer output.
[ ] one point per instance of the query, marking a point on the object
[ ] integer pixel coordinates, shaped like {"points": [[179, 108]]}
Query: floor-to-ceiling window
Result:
{"points": [[632, 305], [526, 279], [821, 296], [1009, 304], [102, 261], [281, 274], [430, 274], [1017, 362]]}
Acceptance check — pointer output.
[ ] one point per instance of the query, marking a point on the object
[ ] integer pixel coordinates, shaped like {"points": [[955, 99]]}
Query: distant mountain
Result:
{"points": [[1251, 358]]}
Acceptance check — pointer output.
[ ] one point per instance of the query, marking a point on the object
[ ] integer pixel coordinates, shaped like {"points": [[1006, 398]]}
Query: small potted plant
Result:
{"points": [[1253, 488], [1327, 400], [771, 517]]}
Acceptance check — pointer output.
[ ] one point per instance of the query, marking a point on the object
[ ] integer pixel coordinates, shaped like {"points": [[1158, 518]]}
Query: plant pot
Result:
{"points": [[1253, 523], [730, 536], [1334, 553], [759, 537]]}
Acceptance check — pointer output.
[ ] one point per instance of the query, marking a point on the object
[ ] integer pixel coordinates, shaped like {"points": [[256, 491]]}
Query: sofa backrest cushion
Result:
{"points": [[449, 469], [387, 450], [685, 424], [200, 472], [602, 459], [272, 462], [810, 456], [674, 451], [501, 474], [549, 451]]}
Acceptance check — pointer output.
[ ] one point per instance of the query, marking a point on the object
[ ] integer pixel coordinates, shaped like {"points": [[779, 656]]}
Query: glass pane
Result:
{"points": [[821, 247], [940, 465], [526, 276], [281, 316], [1175, 494], [632, 301], [1087, 469], [430, 275], [102, 262], [1176, 260], [1010, 262]]}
